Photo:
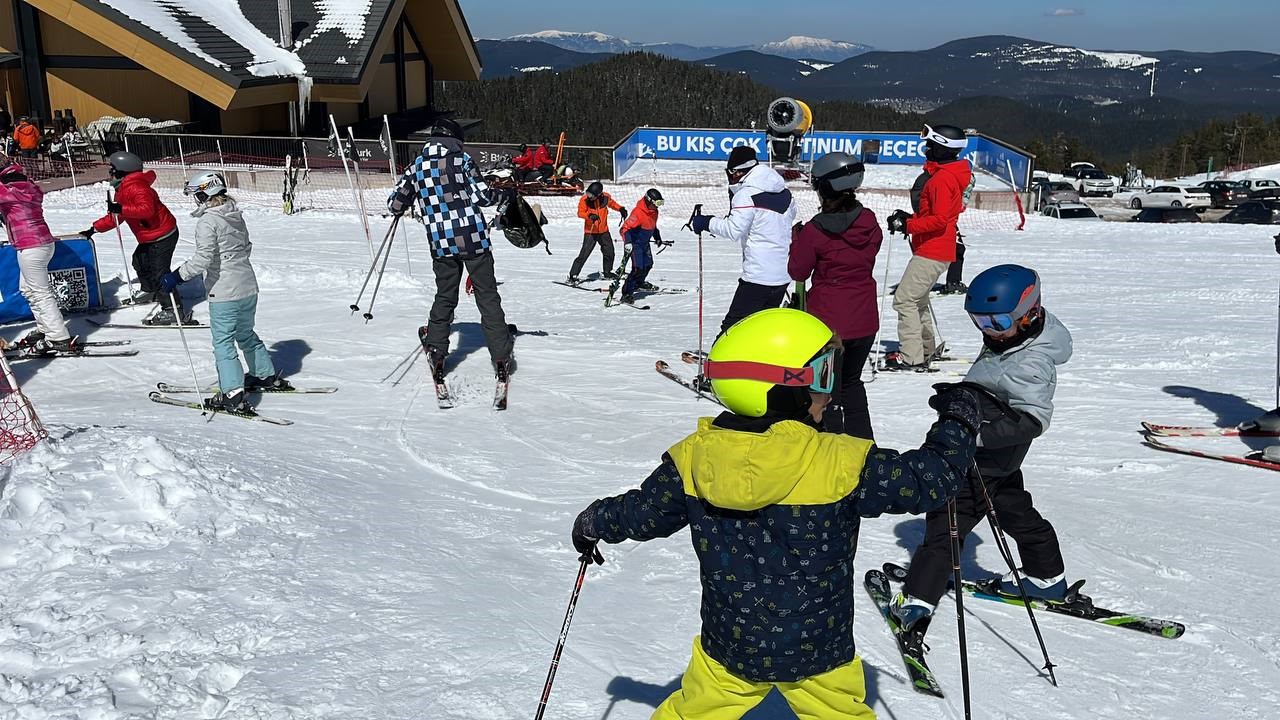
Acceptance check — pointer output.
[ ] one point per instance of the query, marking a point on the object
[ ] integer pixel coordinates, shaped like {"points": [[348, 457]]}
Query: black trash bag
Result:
{"points": [[522, 224]]}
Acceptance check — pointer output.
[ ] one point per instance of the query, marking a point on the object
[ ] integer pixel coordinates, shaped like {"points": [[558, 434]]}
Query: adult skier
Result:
{"points": [[593, 208], [837, 248], [1017, 369], [1268, 421], [773, 506], [761, 213], [639, 227], [450, 192], [932, 232], [222, 256], [22, 210], [138, 204]]}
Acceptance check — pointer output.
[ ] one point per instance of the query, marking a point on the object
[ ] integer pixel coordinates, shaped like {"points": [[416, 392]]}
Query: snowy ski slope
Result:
{"points": [[385, 559]]}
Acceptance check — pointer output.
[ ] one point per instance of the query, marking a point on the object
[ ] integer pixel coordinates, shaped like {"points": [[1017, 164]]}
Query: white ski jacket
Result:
{"points": [[222, 253], [761, 213]]}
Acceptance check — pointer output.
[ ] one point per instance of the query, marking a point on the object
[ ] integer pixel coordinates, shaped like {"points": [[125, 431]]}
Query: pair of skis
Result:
{"points": [[82, 349], [444, 398], [158, 396], [691, 358], [1078, 605], [1154, 433]]}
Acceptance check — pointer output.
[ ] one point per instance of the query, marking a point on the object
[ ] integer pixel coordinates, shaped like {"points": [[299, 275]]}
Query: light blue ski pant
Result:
{"points": [[231, 323]]}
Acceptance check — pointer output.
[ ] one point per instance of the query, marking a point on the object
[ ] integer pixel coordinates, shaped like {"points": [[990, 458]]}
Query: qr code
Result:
{"points": [[70, 287]]}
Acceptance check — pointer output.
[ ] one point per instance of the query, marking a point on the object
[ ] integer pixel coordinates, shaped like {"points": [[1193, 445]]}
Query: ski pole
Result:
{"points": [[355, 306], [1278, 339], [1002, 542], [955, 576], [368, 314], [177, 314], [875, 343], [697, 210], [585, 561], [115, 218]]}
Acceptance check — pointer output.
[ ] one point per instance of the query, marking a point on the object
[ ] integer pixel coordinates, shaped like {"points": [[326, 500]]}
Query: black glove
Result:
{"points": [[960, 402], [114, 208], [898, 222], [583, 539], [700, 223], [623, 213], [89, 233], [657, 235], [593, 217]]}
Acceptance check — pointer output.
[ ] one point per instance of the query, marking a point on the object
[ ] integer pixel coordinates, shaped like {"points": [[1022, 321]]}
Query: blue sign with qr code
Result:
{"points": [[73, 275]]}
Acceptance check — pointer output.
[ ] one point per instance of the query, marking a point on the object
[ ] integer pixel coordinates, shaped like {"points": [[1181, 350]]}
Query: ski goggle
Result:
{"points": [[928, 133], [819, 374], [655, 203], [997, 323]]}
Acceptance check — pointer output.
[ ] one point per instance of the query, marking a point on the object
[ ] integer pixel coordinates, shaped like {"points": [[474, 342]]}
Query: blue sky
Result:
{"points": [[912, 25]]}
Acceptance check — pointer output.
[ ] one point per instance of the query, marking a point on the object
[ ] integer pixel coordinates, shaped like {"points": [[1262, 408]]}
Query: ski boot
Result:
{"points": [[1270, 453], [44, 346], [232, 402], [29, 340], [609, 275], [435, 360], [908, 611], [1267, 422], [954, 288], [895, 362], [1050, 590], [649, 287], [142, 297], [271, 383], [629, 299], [166, 316], [573, 280], [939, 355]]}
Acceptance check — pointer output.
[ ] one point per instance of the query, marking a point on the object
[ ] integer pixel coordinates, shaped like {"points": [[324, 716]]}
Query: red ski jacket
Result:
{"points": [[933, 227], [141, 209]]}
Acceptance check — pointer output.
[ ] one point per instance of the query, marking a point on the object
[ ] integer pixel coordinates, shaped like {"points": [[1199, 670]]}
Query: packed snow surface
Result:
{"points": [[702, 172], [385, 559]]}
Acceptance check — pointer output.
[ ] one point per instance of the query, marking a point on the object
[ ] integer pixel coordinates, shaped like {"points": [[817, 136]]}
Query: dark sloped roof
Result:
{"points": [[320, 51]]}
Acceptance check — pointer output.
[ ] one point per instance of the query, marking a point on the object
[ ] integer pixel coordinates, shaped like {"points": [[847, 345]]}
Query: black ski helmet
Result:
{"points": [[836, 174], [444, 127], [944, 142], [653, 197], [595, 189], [123, 163], [524, 147]]}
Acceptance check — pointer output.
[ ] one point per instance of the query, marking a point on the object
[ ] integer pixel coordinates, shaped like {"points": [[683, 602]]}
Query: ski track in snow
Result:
{"points": [[384, 558]]}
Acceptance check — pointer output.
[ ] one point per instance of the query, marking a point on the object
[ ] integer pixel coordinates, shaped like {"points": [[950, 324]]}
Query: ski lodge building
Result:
{"points": [[218, 66]]}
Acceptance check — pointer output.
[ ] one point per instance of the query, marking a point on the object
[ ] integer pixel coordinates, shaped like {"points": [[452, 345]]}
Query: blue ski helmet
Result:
{"points": [[1003, 299]]}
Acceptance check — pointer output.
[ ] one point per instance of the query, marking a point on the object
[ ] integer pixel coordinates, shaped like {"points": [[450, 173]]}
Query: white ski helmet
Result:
{"points": [[205, 185]]}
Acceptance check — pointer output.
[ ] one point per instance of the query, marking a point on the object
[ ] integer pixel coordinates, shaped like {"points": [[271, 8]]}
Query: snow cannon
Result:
{"points": [[788, 119]]}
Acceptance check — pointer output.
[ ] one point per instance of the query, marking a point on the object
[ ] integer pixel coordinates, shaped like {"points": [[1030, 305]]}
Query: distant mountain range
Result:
{"points": [[1032, 71]]}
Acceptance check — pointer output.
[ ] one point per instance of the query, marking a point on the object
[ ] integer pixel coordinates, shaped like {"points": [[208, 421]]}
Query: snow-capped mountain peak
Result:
{"points": [[801, 47], [591, 41], [797, 47]]}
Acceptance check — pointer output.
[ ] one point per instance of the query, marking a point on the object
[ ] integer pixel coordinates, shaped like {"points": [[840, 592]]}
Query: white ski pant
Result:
{"points": [[33, 263]]}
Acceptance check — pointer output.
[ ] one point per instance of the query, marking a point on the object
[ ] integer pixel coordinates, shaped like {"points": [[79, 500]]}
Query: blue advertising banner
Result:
{"points": [[73, 273], [874, 148]]}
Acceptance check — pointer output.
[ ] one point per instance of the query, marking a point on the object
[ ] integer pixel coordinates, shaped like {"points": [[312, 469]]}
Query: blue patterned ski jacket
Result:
{"points": [[774, 511], [449, 192]]}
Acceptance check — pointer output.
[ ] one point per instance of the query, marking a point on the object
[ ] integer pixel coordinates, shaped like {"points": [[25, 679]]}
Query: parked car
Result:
{"points": [[1259, 188], [1171, 196], [1070, 211], [1255, 212], [1055, 192], [1166, 215], [1224, 193], [1089, 180]]}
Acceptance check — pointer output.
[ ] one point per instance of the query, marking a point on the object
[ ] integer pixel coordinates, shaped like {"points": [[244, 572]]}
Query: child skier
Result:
{"points": [[138, 204], [640, 227], [1017, 369], [594, 209], [222, 256], [21, 204], [773, 506]]}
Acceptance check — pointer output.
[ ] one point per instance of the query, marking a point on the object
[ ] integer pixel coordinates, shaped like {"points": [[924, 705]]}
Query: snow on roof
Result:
{"points": [[161, 19], [350, 17]]}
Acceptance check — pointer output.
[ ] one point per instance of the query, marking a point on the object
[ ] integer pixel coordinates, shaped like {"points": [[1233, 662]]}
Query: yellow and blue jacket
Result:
{"points": [[774, 509]]}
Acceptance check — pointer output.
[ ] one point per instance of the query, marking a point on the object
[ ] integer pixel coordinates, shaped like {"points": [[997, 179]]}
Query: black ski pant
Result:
{"points": [[589, 242], [151, 261], [448, 271], [1037, 542], [955, 271], [848, 412], [751, 298]]}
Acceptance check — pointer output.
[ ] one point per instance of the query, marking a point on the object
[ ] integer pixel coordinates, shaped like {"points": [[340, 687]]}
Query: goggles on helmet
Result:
{"points": [[655, 203], [998, 324], [928, 133], [819, 374]]}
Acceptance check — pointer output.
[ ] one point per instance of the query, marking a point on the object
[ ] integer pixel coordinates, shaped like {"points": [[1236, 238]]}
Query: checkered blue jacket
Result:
{"points": [[449, 192]]}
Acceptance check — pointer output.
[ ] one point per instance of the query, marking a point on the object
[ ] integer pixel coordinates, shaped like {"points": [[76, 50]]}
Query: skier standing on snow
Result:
{"points": [[222, 256], [774, 506], [838, 249], [639, 227], [1023, 344], [138, 204], [1268, 421], [761, 213], [449, 191], [21, 204], [594, 209], [932, 232]]}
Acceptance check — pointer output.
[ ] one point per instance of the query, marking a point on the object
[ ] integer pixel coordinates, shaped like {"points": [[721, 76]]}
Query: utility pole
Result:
{"points": [[1183, 172], [1244, 135]]}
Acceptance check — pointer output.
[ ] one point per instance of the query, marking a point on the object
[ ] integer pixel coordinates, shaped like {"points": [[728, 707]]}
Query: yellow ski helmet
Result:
{"points": [[768, 348]]}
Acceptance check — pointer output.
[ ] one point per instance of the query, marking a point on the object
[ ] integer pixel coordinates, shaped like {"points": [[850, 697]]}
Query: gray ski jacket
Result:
{"points": [[1025, 377], [222, 253]]}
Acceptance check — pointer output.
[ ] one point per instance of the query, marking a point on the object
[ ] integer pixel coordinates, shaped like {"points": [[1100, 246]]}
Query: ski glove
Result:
{"points": [[657, 235], [959, 402], [623, 213], [170, 282], [593, 217], [114, 207], [700, 223], [583, 540], [898, 221], [86, 234]]}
